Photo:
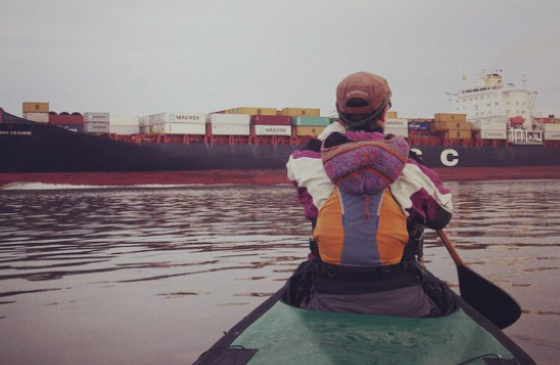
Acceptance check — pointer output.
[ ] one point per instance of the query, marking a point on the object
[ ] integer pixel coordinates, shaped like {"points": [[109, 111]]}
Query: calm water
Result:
{"points": [[152, 276]]}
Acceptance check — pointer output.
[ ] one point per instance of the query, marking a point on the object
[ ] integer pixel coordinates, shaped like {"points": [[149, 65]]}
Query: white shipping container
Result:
{"points": [[177, 117], [37, 117], [124, 129], [552, 136], [495, 125], [397, 123], [273, 130], [228, 129], [179, 128], [551, 127], [237, 119], [397, 131], [96, 127], [493, 134], [126, 120], [96, 117]]}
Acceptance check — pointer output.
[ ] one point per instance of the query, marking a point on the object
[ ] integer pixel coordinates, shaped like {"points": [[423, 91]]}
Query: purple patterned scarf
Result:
{"points": [[365, 166]]}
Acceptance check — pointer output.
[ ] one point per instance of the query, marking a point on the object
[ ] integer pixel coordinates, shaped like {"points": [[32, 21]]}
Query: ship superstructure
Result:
{"points": [[492, 105]]}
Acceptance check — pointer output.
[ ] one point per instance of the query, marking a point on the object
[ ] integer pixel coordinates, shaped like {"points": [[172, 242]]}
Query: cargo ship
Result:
{"points": [[491, 135]]}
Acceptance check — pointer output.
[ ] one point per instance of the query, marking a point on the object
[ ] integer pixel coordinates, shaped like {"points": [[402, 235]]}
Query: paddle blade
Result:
{"points": [[488, 299]]}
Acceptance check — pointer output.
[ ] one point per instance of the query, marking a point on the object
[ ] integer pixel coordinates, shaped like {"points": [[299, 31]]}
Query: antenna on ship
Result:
{"points": [[524, 79]]}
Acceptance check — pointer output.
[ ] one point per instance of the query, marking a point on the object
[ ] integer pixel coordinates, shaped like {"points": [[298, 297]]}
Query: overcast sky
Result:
{"points": [[143, 57]]}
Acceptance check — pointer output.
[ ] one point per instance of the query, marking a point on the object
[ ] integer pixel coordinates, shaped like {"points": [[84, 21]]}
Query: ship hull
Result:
{"points": [[41, 153]]}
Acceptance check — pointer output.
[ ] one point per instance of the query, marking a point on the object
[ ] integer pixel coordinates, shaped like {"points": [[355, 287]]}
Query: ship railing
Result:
{"points": [[526, 137]]}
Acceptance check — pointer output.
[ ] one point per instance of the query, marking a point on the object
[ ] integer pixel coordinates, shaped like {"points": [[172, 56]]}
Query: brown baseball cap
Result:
{"points": [[371, 88]]}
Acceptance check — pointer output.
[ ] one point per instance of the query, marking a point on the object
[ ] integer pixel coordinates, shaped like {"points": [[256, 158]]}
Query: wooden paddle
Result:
{"points": [[488, 299]]}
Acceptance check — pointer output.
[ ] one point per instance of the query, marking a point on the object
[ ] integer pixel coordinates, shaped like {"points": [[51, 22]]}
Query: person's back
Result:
{"points": [[365, 196]]}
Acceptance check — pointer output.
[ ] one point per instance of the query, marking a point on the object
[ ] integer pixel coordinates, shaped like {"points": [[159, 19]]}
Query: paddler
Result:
{"points": [[368, 199]]}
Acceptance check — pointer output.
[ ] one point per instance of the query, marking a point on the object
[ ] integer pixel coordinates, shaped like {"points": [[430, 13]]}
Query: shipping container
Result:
{"points": [[237, 119], [397, 131], [177, 117], [300, 112], [29, 107], [552, 136], [37, 117], [392, 114], [230, 129], [124, 129], [493, 134], [124, 120], [179, 128], [311, 121], [397, 123], [255, 111], [490, 125], [552, 127], [271, 119], [272, 130], [449, 117], [452, 125], [96, 117], [459, 134], [304, 130], [66, 119], [96, 127], [420, 126]]}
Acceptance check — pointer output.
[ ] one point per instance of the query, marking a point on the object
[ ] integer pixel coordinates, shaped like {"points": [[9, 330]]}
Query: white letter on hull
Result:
{"points": [[417, 151], [444, 157]]}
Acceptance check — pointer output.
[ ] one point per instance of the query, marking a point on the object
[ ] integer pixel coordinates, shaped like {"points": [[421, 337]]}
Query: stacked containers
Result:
{"points": [[124, 124], [271, 125], [491, 129], [455, 126], [37, 112], [178, 123], [97, 123], [71, 122], [310, 126], [229, 124]]}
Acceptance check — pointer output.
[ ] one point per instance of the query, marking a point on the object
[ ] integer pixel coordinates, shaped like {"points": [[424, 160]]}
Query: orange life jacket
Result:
{"points": [[361, 230]]}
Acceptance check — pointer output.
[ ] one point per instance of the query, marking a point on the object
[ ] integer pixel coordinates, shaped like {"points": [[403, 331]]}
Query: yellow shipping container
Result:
{"points": [[448, 117], [392, 114], [310, 130], [300, 112], [452, 125], [29, 107], [255, 111], [459, 134], [555, 120]]}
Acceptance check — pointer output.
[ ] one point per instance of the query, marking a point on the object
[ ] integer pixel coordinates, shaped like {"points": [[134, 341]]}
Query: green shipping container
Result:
{"points": [[310, 121]]}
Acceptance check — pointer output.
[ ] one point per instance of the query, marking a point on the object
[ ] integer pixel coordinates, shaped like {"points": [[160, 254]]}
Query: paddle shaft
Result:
{"points": [[454, 255], [485, 297]]}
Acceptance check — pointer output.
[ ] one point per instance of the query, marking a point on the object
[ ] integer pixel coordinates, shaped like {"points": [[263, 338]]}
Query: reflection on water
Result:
{"points": [[156, 275]]}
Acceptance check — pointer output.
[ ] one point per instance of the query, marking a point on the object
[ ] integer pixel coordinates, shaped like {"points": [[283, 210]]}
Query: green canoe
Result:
{"points": [[277, 333]]}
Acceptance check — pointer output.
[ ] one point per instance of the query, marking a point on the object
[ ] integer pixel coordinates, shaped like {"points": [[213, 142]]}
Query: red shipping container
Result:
{"points": [[271, 119], [66, 119]]}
